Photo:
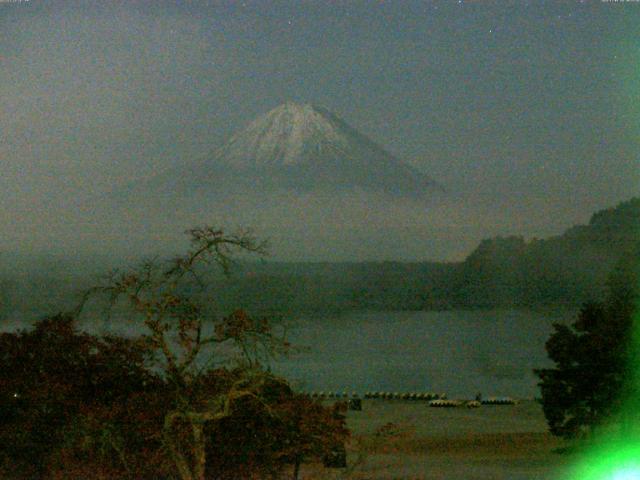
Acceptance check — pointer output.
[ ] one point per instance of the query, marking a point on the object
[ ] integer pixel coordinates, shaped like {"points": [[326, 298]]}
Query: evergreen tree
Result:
{"points": [[594, 358]]}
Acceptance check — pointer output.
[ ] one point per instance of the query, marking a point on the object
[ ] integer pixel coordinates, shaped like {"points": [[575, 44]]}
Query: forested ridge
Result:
{"points": [[501, 272], [511, 271]]}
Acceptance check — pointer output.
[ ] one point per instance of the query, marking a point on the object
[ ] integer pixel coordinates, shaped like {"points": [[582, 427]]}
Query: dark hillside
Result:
{"points": [[501, 272], [569, 268]]}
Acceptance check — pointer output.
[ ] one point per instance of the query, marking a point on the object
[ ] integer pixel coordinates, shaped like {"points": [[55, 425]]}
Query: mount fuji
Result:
{"points": [[298, 148], [299, 176]]}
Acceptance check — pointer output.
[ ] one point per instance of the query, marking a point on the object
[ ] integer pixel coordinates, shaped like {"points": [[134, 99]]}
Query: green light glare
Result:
{"points": [[630, 473], [615, 461], [616, 456]]}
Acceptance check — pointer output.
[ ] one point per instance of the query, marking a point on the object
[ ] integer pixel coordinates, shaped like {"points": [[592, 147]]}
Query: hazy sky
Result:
{"points": [[528, 111]]}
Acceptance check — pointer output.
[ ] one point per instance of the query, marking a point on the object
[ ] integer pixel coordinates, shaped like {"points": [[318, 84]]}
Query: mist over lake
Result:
{"points": [[457, 352]]}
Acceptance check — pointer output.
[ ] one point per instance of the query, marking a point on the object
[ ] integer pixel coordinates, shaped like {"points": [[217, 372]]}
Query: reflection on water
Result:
{"points": [[457, 352]]}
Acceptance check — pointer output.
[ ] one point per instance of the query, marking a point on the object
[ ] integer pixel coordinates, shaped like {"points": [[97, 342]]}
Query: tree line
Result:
{"points": [[568, 269]]}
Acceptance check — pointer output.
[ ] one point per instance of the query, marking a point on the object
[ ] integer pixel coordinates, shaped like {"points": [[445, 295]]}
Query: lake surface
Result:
{"points": [[457, 352]]}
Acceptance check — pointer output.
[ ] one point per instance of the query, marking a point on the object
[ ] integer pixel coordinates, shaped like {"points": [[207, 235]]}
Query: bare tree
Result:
{"points": [[173, 302]]}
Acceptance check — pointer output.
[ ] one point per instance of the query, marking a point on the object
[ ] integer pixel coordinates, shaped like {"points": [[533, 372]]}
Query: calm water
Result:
{"points": [[457, 352]]}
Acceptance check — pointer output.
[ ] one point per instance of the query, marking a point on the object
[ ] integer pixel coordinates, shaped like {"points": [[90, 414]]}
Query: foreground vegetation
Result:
{"points": [[596, 359], [190, 399]]}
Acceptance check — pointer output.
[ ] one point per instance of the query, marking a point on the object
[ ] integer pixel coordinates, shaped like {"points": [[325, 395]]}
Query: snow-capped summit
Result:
{"points": [[293, 148], [306, 147], [284, 136]]}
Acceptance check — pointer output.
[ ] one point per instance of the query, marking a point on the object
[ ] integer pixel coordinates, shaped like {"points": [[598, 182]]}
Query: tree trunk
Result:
{"points": [[181, 463], [199, 450], [197, 420], [296, 469], [196, 470], [625, 424]]}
